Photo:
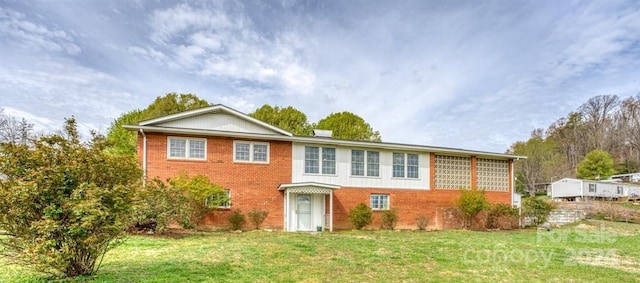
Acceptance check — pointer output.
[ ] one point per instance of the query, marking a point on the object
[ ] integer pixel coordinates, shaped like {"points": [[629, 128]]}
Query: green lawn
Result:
{"points": [[587, 252]]}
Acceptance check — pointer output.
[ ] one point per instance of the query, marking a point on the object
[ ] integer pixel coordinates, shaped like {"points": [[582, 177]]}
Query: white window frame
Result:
{"points": [[366, 164], [225, 205], [251, 151], [620, 190], [380, 198], [406, 166], [187, 148], [593, 188], [321, 167]]}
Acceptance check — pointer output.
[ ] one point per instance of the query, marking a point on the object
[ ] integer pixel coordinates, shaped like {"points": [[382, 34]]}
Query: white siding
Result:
{"points": [[566, 188], [218, 122], [343, 170], [604, 190]]}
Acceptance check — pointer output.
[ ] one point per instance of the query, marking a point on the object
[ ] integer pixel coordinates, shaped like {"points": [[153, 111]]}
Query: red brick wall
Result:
{"points": [[410, 204], [256, 186], [252, 185]]}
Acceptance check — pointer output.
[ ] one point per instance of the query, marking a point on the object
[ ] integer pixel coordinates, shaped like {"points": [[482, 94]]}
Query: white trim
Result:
{"points": [[186, 148], [213, 109], [406, 165], [332, 142], [381, 209], [251, 151], [307, 184]]}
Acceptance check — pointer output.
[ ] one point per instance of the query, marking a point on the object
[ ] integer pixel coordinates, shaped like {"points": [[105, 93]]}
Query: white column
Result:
{"points": [[331, 211], [286, 210]]}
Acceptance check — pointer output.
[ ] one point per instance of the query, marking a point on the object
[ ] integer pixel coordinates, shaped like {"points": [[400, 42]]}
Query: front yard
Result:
{"points": [[593, 251]]}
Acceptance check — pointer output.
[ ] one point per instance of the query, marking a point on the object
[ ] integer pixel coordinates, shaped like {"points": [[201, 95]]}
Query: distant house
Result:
{"points": [[633, 177], [576, 189], [311, 183]]}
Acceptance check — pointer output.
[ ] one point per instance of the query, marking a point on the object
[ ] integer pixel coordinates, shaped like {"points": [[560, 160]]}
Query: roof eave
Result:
{"points": [[320, 141]]}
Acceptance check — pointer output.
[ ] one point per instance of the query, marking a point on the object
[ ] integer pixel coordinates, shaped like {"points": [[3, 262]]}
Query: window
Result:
{"points": [[223, 200], [359, 159], [379, 202], [412, 166], [312, 160], [592, 188], [251, 152], [187, 148], [373, 163], [329, 161], [408, 163], [357, 162], [620, 190], [398, 165]]}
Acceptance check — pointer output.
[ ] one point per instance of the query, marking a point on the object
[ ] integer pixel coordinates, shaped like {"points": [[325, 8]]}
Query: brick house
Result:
{"points": [[306, 183]]}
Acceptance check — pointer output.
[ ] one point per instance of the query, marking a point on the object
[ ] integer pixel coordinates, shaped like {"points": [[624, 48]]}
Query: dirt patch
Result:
{"points": [[609, 260]]}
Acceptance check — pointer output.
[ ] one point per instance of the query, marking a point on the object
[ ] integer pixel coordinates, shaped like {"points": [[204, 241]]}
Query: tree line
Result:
{"points": [[344, 125], [600, 138]]}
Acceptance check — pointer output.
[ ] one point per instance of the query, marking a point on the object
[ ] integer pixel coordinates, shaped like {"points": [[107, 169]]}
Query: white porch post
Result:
{"points": [[286, 210], [331, 211]]}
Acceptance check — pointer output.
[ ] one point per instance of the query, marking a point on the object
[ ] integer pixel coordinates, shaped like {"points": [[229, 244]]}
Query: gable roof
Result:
{"points": [[174, 120], [171, 124]]}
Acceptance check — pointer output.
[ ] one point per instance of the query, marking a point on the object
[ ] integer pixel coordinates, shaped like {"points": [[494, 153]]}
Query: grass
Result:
{"points": [[594, 251]]}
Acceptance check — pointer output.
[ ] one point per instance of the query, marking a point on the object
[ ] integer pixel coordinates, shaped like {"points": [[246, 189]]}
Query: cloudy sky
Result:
{"points": [[468, 74]]}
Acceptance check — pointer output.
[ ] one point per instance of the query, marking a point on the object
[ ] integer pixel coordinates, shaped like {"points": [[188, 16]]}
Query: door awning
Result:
{"points": [[308, 188]]}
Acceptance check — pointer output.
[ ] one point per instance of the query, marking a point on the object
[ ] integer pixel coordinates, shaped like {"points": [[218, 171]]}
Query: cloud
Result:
{"points": [[27, 34], [221, 42]]}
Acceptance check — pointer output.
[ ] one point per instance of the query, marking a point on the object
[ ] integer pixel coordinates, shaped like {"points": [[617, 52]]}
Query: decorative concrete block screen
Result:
{"points": [[452, 172], [493, 175]]}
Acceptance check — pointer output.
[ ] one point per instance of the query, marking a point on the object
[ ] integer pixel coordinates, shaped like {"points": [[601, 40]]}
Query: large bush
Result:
{"points": [[157, 205], [470, 204], [537, 210], [182, 200], [64, 203], [360, 216]]}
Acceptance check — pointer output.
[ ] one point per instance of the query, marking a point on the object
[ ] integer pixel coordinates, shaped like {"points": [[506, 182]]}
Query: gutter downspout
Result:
{"points": [[144, 157]]}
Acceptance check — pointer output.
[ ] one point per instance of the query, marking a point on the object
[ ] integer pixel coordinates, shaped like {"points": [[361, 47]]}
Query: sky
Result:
{"points": [[477, 75]]}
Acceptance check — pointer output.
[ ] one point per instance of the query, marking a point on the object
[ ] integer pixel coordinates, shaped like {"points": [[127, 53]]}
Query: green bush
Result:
{"points": [[470, 204], [236, 220], [63, 202], [422, 221], [389, 219], [536, 210], [157, 205], [257, 216], [182, 199], [502, 216], [360, 216]]}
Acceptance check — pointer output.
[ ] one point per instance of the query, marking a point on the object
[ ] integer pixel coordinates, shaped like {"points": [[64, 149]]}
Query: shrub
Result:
{"points": [[502, 216], [536, 210], [470, 204], [202, 193], [64, 203], [257, 216], [422, 221], [360, 216], [181, 200], [156, 205], [236, 220], [389, 219]]}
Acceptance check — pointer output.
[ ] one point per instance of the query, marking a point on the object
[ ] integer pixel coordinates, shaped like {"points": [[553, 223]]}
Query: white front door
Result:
{"points": [[304, 212]]}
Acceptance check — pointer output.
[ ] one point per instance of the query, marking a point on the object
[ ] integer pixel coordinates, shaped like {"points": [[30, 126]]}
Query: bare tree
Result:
{"points": [[13, 130], [598, 114]]}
